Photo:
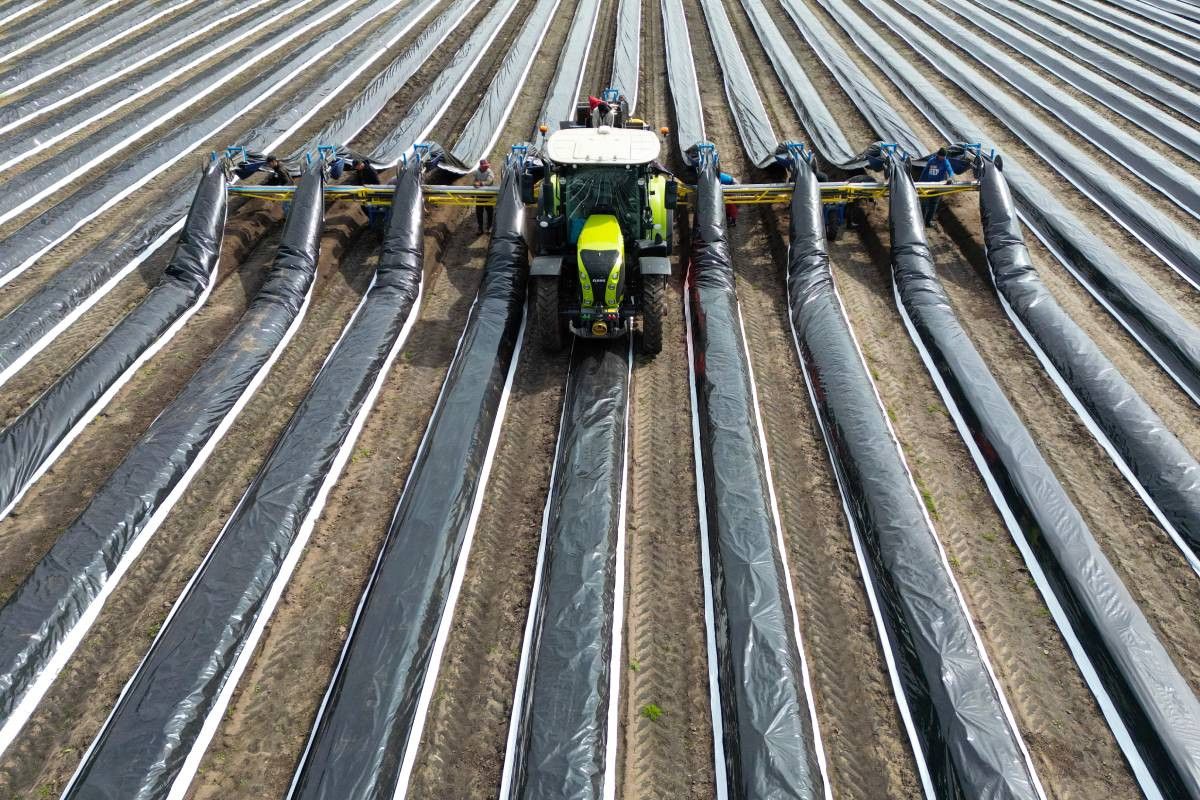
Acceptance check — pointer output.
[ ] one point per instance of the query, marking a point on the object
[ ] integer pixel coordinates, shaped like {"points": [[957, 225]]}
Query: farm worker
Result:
{"points": [[365, 174], [937, 170], [278, 176], [484, 177], [603, 114], [731, 210]]}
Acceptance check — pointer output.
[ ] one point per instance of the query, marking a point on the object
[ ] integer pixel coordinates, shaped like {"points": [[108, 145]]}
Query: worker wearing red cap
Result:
{"points": [[484, 177]]}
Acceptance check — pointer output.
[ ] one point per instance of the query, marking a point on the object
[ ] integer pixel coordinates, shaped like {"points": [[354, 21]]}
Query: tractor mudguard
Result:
{"points": [[654, 265], [549, 266]]}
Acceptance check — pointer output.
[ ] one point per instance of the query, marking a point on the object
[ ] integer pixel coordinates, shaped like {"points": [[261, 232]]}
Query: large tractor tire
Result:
{"points": [[654, 310], [548, 326]]}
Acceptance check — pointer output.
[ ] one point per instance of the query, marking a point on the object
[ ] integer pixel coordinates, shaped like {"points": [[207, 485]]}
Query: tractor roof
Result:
{"points": [[602, 145]]}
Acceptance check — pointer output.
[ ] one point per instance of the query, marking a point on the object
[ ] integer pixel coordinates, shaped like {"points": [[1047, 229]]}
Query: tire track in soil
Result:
{"points": [[264, 732], [868, 752], [77, 704], [665, 658]]}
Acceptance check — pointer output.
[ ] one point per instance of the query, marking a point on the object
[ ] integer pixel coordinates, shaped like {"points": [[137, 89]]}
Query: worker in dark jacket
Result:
{"points": [[365, 174], [938, 169], [277, 175]]}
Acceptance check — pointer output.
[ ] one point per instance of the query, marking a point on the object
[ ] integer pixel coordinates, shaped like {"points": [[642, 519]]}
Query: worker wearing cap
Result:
{"points": [[938, 169], [484, 177], [276, 174]]}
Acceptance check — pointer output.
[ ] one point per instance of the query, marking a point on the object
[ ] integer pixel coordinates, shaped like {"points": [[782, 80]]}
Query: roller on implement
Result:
{"points": [[602, 242]]}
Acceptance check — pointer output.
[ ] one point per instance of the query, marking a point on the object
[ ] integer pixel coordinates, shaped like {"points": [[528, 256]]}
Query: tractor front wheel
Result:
{"points": [[547, 324], [654, 309]]}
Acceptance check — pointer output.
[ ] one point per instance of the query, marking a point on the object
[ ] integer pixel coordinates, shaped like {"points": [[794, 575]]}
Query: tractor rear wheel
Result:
{"points": [[654, 309], [548, 325]]}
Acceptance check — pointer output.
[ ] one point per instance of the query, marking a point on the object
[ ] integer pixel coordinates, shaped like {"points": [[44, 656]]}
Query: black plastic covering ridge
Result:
{"points": [[34, 438], [39, 23], [77, 571], [563, 708], [1179, 8], [1166, 30], [818, 122], [1155, 703], [559, 105], [484, 127], [1118, 66], [627, 50], [1166, 128], [36, 318], [745, 103], [1169, 338], [1168, 62], [769, 746], [1171, 242], [428, 108], [681, 78], [371, 716], [965, 731], [1157, 461], [215, 624]]}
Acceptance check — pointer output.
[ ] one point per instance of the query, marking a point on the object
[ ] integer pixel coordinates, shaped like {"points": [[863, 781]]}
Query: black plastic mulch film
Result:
{"points": [[965, 733], [432, 103], [37, 23], [1155, 702], [1179, 135], [66, 48], [627, 50], [1114, 63], [487, 123], [362, 732], [769, 747], [1167, 336], [1177, 67], [1160, 463], [32, 438], [54, 597], [1171, 242], [177, 686], [745, 104], [681, 78], [561, 740], [91, 72], [25, 325], [1180, 8], [1166, 30], [559, 105]]}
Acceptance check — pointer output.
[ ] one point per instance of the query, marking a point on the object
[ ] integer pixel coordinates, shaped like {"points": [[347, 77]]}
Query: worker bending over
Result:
{"points": [[938, 169], [484, 177], [276, 174]]}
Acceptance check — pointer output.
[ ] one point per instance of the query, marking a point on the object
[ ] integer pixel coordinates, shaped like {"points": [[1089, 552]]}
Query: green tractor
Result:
{"points": [[603, 238]]}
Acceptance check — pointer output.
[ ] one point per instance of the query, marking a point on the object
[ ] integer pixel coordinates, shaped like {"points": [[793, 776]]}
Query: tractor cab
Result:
{"points": [[603, 237]]}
